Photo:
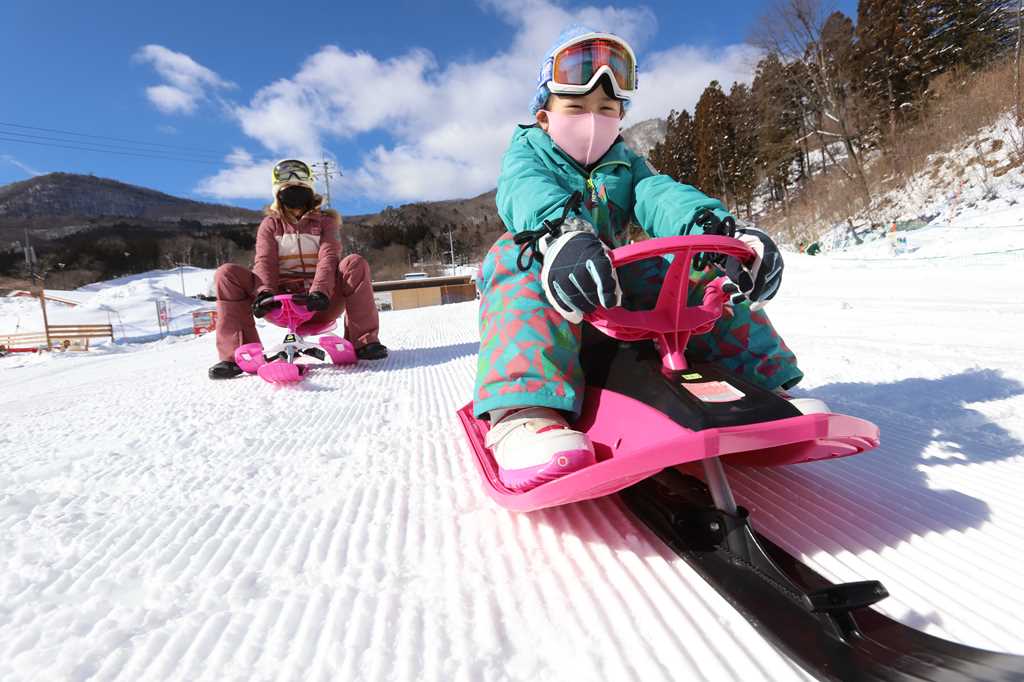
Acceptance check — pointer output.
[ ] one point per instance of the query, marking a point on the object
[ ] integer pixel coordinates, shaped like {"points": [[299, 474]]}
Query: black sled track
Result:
{"points": [[827, 629]]}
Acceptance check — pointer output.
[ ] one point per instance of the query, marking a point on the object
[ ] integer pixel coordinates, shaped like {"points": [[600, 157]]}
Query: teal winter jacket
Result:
{"points": [[537, 178]]}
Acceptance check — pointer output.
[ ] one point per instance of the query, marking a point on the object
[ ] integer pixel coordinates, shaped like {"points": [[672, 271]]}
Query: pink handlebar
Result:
{"points": [[291, 314], [692, 243], [671, 322]]}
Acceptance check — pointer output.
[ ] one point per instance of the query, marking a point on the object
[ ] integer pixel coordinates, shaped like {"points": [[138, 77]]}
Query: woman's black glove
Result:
{"points": [[317, 300], [264, 303]]}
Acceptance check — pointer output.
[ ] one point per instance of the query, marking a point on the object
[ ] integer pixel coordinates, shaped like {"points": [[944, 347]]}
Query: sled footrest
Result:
{"points": [[846, 596]]}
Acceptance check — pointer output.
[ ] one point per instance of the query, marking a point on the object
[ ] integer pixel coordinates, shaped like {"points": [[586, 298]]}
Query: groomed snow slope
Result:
{"points": [[155, 525]]}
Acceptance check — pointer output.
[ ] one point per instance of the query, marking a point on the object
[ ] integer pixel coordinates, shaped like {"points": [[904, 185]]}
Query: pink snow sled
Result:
{"points": [[647, 408], [277, 365]]}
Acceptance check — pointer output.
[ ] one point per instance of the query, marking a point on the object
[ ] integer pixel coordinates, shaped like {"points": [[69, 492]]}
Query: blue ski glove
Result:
{"points": [[317, 300], [264, 303], [759, 281], [577, 274]]}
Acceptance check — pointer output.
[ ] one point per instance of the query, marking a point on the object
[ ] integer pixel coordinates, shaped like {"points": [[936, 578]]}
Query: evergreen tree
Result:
{"points": [[778, 124], [799, 86], [675, 156], [713, 137], [969, 33], [742, 152], [893, 59]]}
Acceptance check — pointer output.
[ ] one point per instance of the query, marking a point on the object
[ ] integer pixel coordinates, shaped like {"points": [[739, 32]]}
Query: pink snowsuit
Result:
{"points": [[296, 258]]}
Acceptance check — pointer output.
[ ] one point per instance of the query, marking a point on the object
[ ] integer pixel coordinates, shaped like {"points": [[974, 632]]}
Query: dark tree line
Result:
{"points": [[110, 251], [827, 91]]}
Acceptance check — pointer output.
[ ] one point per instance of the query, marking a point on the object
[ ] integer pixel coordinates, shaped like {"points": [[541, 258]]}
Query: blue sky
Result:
{"points": [[414, 100]]}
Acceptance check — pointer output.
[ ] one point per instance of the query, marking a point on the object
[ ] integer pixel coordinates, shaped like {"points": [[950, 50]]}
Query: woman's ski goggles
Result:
{"points": [[292, 169], [579, 64]]}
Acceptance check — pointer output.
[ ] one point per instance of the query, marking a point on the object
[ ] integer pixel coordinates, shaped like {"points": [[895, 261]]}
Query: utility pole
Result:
{"points": [[451, 247], [181, 271], [326, 169], [46, 322], [30, 259], [1016, 65]]}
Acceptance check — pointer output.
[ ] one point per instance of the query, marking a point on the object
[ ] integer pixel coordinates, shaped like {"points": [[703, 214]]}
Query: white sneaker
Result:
{"points": [[805, 405], [533, 445], [809, 405]]}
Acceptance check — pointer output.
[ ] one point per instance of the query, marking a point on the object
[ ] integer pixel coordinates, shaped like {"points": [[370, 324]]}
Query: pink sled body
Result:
{"points": [[633, 441]]}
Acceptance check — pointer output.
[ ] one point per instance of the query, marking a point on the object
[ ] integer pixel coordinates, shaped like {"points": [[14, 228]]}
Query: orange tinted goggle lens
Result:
{"points": [[577, 64]]}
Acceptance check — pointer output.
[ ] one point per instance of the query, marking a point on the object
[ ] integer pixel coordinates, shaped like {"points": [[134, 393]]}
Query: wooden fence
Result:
{"points": [[57, 335]]}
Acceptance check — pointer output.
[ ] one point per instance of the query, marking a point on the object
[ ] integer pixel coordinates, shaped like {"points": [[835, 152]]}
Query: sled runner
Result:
{"points": [[277, 365]]}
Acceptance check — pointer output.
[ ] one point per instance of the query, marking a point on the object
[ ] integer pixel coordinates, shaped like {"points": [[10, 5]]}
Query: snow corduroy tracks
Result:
{"points": [[155, 525], [174, 528]]}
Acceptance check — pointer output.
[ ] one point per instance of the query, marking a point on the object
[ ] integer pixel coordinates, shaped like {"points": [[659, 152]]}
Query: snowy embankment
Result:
{"points": [[978, 183], [155, 525], [128, 304]]}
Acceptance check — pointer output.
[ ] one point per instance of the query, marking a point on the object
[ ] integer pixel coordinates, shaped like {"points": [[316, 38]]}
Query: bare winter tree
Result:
{"points": [[1016, 70], [805, 31]]}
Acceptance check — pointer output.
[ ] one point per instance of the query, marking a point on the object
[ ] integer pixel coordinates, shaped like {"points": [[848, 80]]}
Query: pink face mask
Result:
{"points": [[584, 137]]}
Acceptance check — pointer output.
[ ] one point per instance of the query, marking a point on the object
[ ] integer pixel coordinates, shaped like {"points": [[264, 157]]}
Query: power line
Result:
{"points": [[104, 145], [107, 151], [115, 139]]}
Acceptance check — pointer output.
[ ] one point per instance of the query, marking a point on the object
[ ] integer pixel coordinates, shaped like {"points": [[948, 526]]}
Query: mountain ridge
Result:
{"points": [[88, 196]]}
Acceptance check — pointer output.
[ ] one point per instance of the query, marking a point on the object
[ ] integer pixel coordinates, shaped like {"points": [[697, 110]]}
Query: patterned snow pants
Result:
{"points": [[529, 354]]}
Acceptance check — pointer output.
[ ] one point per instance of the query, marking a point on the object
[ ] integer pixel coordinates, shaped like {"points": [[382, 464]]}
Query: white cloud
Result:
{"points": [[244, 178], [678, 76], [171, 100], [187, 81], [167, 129], [239, 157], [23, 166], [449, 124]]}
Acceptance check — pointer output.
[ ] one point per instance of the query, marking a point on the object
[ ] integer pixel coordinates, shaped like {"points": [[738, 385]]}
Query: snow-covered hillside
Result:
{"points": [[642, 137], [979, 183], [155, 525]]}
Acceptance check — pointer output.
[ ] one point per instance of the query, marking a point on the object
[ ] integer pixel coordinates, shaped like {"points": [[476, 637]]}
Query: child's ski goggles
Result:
{"points": [[578, 64], [292, 169]]}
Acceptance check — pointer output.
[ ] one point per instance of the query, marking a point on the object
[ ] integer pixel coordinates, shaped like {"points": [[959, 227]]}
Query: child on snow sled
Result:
{"points": [[297, 251], [529, 378]]}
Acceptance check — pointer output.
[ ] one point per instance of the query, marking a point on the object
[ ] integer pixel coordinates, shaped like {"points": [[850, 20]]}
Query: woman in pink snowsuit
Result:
{"points": [[297, 251]]}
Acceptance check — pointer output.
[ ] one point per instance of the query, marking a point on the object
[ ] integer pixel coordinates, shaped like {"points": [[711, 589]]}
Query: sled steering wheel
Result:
{"points": [[671, 322]]}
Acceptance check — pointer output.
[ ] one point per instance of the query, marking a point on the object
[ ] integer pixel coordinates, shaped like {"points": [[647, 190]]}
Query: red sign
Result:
{"points": [[203, 321]]}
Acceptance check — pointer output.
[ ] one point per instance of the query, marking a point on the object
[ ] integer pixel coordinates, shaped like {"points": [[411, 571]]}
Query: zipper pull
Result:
{"points": [[593, 190]]}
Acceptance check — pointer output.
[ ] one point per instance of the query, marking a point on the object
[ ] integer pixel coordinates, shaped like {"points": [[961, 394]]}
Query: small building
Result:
{"points": [[419, 292]]}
